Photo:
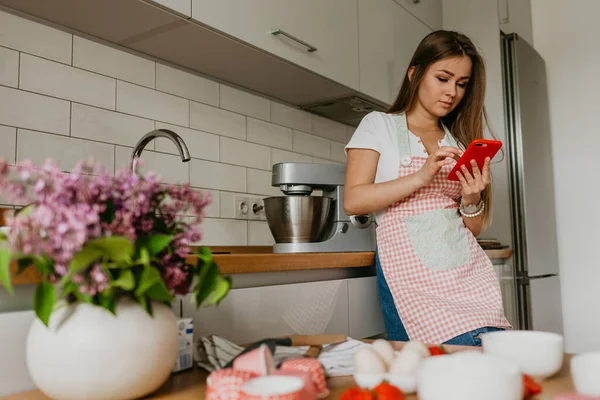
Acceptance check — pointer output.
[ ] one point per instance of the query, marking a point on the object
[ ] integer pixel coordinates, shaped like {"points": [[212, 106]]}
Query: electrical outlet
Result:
{"points": [[241, 207], [256, 208]]}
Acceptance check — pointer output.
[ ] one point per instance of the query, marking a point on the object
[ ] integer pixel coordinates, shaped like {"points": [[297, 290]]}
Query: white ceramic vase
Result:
{"points": [[87, 353]]}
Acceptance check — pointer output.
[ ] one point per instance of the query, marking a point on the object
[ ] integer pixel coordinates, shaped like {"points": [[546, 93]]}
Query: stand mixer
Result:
{"points": [[301, 223]]}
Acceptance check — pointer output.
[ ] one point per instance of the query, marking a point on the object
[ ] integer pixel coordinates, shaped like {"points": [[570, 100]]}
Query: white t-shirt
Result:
{"points": [[379, 131]]}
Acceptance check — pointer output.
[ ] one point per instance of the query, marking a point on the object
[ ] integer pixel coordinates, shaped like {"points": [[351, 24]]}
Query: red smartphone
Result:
{"points": [[478, 150]]}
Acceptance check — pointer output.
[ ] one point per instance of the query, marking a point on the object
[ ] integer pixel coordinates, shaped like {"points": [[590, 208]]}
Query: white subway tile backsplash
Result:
{"points": [[115, 63], [246, 154], [200, 144], [328, 129], [317, 160], [186, 85], [8, 140], [214, 120], [223, 232], [259, 182], [213, 210], [33, 111], [269, 134], [244, 103], [290, 117], [108, 99], [58, 80], [148, 103], [227, 204], [169, 167], [305, 143], [107, 126], [337, 152], [31, 37], [212, 175], [66, 151], [9, 67], [259, 234], [279, 156], [349, 132]]}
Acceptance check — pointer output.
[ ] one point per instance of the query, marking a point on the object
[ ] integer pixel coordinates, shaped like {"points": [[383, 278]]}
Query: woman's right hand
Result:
{"points": [[435, 162]]}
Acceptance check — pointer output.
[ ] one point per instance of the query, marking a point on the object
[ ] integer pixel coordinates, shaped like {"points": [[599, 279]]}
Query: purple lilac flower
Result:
{"points": [[68, 211]]}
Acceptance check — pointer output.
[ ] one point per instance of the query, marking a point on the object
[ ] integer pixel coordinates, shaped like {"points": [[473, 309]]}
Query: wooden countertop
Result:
{"points": [[191, 384], [257, 259]]}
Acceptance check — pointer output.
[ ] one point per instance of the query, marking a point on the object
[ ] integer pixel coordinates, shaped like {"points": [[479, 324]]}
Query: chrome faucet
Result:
{"points": [[150, 136]]}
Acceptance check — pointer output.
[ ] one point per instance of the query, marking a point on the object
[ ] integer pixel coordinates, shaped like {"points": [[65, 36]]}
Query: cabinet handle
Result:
{"points": [[310, 48], [416, 1]]}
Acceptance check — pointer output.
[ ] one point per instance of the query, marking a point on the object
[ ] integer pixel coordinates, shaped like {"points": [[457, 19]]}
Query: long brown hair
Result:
{"points": [[469, 119]]}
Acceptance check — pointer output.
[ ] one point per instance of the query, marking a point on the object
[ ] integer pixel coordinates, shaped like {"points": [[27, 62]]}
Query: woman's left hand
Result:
{"points": [[473, 184]]}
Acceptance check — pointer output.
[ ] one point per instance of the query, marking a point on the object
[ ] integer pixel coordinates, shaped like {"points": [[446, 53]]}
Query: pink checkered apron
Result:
{"points": [[442, 281]]}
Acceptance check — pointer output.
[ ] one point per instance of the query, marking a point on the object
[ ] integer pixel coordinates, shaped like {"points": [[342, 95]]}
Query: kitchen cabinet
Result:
{"points": [[251, 314], [365, 315], [388, 37], [324, 33], [427, 11]]}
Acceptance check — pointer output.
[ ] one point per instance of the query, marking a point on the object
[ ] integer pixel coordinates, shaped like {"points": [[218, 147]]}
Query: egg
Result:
{"points": [[406, 363], [385, 350], [368, 361], [417, 347]]}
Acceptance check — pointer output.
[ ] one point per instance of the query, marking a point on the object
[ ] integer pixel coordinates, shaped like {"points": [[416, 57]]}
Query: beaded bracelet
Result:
{"points": [[480, 208]]}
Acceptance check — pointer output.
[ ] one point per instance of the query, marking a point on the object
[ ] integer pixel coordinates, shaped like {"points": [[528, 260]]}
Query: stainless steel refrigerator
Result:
{"points": [[531, 182]]}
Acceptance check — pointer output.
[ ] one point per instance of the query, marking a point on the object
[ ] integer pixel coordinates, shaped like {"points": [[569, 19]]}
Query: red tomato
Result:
{"points": [[385, 391], [356, 393], [530, 387]]}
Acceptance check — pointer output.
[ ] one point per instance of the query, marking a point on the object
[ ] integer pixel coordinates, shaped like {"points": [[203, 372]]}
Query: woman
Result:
{"points": [[436, 284]]}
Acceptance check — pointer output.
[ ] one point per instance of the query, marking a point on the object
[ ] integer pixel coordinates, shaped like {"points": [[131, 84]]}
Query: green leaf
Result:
{"points": [[125, 281], [204, 255], [25, 211], [146, 304], [207, 282], [144, 257], [43, 264], [43, 301], [107, 301], [117, 248], [221, 290], [155, 243], [149, 277], [5, 271], [24, 263], [81, 260], [159, 292]]}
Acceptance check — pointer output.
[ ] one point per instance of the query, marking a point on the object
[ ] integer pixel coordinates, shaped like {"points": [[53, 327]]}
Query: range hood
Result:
{"points": [[148, 30]]}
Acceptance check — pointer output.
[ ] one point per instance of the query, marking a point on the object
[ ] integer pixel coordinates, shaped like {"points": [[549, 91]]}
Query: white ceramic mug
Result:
{"points": [[585, 370]]}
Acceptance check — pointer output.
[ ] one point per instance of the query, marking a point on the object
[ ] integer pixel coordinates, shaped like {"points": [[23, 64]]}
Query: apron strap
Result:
{"points": [[403, 140]]}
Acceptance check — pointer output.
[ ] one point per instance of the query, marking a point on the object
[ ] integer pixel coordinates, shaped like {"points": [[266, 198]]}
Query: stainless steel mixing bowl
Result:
{"points": [[297, 219]]}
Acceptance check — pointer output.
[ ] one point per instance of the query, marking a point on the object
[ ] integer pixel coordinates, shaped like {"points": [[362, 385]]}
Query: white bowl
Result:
{"points": [[585, 370], [469, 375], [538, 354]]}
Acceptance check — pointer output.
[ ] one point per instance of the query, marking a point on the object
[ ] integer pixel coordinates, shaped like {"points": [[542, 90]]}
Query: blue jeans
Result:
{"points": [[395, 328]]}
